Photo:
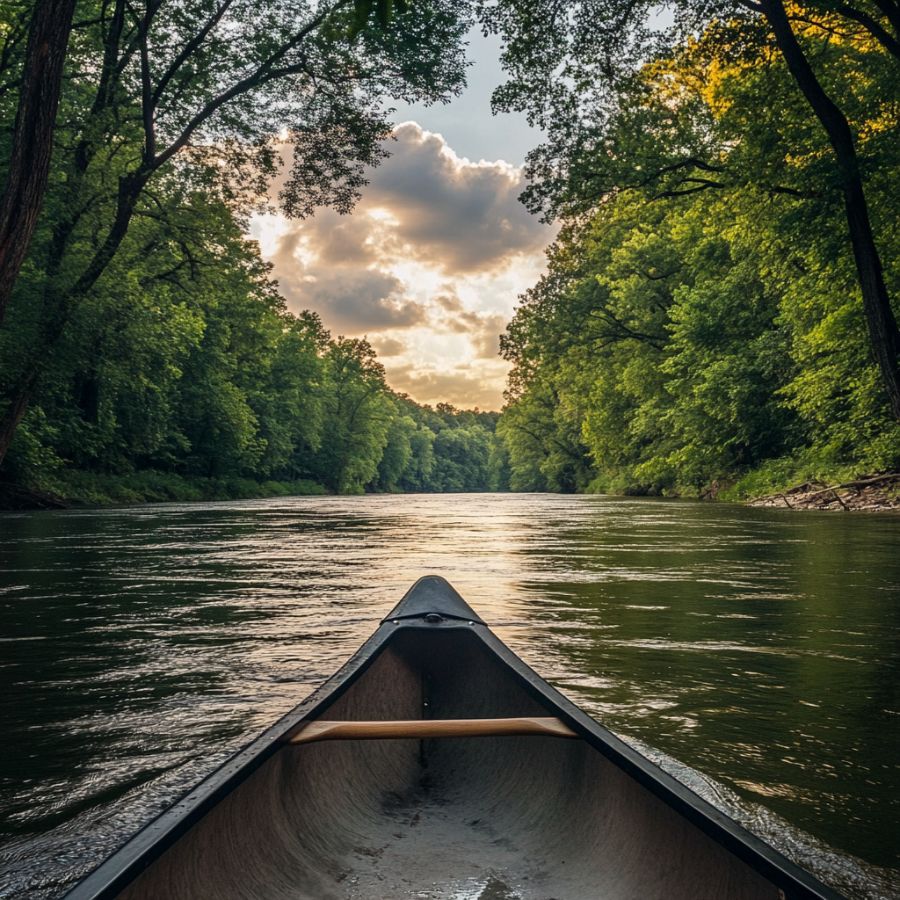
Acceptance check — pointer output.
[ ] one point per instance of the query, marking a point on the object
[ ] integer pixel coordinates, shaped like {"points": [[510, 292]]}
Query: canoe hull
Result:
{"points": [[527, 817]]}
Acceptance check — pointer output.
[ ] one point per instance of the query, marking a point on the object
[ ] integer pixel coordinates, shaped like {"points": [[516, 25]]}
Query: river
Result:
{"points": [[753, 653]]}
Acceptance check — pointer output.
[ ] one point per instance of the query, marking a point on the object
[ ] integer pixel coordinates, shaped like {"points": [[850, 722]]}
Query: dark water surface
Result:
{"points": [[139, 647]]}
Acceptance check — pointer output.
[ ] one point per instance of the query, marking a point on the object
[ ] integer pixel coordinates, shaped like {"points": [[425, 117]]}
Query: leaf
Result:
{"points": [[362, 10]]}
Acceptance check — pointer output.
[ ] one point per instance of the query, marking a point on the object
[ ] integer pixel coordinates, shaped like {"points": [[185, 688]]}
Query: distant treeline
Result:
{"points": [[208, 378], [704, 323], [144, 350]]}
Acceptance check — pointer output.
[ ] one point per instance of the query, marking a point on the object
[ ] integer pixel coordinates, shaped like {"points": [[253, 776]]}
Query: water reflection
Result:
{"points": [[141, 646]]}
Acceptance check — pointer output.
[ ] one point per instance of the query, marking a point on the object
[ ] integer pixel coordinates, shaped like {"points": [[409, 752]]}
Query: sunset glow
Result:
{"points": [[428, 267]]}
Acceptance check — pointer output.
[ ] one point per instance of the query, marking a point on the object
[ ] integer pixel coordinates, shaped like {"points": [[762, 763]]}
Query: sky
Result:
{"points": [[430, 263]]}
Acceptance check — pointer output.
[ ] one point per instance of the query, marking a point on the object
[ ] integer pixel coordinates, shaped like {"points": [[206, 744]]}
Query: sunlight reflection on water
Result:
{"points": [[142, 646]]}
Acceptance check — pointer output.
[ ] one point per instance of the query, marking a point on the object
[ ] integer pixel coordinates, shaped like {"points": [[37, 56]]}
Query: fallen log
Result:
{"points": [[801, 493], [858, 483]]}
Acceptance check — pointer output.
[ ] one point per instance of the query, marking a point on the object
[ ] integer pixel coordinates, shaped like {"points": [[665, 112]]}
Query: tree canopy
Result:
{"points": [[164, 101], [702, 315], [633, 102]]}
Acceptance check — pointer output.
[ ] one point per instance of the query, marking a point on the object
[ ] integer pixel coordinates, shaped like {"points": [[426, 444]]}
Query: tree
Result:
{"points": [[28, 170], [397, 454], [417, 474], [648, 358], [567, 63], [461, 458], [544, 445], [884, 334], [160, 92], [358, 412]]}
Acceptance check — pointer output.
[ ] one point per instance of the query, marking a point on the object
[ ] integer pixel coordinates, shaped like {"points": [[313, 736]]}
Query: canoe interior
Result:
{"points": [[495, 818]]}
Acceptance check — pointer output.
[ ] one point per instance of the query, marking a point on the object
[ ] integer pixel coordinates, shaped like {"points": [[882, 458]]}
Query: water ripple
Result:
{"points": [[140, 647]]}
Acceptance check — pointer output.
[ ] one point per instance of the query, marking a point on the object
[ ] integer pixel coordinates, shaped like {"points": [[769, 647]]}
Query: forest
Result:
{"points": [[718, 315], [145, 350], [716, 318]]}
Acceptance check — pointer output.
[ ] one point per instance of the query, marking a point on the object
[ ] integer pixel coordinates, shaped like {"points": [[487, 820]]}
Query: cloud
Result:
{"points": [[388, 346], [351, 300], [427, 203], [487, 344], [482, 328], [428, 265], [363, 301], [457, 214], [464, 387], [340, 240]]}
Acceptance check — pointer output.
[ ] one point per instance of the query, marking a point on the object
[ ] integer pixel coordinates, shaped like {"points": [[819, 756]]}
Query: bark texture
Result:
{"points": [[32, 145], [884, 334]]}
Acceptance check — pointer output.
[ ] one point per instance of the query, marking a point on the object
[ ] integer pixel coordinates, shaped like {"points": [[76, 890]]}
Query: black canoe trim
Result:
{"points": [[793, 880], [433, 596], [433, 603], [147, 845]]}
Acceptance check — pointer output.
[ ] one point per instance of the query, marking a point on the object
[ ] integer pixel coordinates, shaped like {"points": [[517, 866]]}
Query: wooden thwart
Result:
{"points": [[429, 728]]}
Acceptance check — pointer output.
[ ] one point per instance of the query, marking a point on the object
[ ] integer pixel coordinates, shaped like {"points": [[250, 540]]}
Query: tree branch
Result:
{"points": [[261, 75], [891, 11], [703, 185], [147, 107], [860, 17], [189, 48], [625, 331]]}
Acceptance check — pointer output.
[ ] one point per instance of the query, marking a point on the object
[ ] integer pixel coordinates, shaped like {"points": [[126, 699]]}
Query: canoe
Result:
{"points": [[436, 764]]}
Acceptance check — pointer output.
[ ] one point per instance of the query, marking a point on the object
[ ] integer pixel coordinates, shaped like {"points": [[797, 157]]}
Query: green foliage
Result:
{"points": [[358, 414], [700, 322], [461, 459], [152, 486], [173, 119], [541, 435], [210, 389], [416, 475], [145, 338], [397, 454], [187, 378]]}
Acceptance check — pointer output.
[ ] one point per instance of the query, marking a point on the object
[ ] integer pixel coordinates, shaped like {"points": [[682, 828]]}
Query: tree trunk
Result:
{"points": [[32, 143], [19, 393], [884, 334], [19, 400], [882, 324]]}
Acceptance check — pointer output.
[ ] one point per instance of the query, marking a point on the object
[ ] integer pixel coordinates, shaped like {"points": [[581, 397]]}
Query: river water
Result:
{"points": [[752, 653]]}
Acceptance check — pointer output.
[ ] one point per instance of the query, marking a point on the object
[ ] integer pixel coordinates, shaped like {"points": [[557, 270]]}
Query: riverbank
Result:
{"points": [[869, 493], [784, 483], [73, 488]]}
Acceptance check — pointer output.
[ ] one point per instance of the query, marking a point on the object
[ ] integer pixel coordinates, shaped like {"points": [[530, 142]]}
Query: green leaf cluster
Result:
{"points": [[701, 317]]}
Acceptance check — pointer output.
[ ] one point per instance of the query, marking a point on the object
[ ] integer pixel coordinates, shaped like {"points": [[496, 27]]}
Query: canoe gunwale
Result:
{"points": [[154, 838], [765, 859]]}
